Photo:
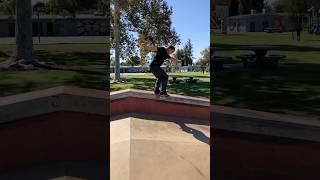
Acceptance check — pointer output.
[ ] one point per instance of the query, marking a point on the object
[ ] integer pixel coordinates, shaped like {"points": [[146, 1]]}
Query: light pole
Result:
{"points": [[38, 13]]}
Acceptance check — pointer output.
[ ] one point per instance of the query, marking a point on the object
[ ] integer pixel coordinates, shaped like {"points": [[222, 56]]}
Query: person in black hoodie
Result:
{"points": [[162, 54]]}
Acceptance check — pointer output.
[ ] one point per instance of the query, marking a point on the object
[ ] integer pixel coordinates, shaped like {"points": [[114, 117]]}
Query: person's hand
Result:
{"points": [[143, 45]]}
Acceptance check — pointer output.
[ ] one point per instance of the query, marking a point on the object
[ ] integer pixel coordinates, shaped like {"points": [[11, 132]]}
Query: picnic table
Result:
{"points": [[175, 80], [190, 79], [259, 57], [219, 61]]}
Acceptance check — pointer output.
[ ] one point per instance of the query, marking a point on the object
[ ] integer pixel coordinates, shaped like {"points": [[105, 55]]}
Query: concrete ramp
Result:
{"points": [[152, 138]]}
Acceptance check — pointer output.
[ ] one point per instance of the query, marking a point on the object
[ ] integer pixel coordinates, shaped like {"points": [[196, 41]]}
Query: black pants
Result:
{"points": [[162, 78]]}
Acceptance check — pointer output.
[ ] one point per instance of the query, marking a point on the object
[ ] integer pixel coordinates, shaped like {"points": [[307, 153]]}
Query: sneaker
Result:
{"points": [[157, 93], [164, 94]]}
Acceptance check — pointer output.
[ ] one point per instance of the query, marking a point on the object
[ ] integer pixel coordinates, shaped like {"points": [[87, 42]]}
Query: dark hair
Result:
{"points": [[172, 47]]}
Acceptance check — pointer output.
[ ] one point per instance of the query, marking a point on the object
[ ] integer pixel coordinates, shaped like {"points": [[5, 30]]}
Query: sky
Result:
{"points": [[191, 19]]}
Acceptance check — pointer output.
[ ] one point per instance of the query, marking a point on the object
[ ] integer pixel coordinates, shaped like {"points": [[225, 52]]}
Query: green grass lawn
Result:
{"points": [[147, 81], [90, 58], [293, 88]]}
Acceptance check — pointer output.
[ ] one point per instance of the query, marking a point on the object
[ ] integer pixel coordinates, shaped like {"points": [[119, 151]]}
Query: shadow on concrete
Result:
{"points": [[196, 133], [179, 121]]}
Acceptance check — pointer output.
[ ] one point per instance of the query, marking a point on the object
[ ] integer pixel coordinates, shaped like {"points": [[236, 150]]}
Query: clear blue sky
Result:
{"points": [[191, 19]]}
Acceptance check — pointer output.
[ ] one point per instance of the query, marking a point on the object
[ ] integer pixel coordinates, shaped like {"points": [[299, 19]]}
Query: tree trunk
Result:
{"points": [[117, 46], [24, 31]]}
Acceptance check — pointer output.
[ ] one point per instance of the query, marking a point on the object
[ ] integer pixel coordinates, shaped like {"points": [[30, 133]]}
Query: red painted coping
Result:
{"points": [[144, 102]]}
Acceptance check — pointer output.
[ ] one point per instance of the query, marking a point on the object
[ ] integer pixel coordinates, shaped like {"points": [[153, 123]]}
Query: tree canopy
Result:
{"points": [[204, 61], [150, 19], [8, 7]]}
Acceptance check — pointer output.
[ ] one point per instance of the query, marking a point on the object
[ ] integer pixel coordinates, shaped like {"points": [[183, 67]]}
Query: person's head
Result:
{"points": [[171, 49]]}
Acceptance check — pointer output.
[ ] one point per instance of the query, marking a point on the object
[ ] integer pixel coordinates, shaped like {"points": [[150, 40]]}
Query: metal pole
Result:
{"points": [[39, 27]]}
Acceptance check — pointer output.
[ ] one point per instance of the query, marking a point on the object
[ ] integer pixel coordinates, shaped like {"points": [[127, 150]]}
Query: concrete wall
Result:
{"points": [[246, 156], [54, 137], [62, 26]]}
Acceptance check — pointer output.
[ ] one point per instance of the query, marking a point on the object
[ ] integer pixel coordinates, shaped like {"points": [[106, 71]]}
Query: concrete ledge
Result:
{"points": [[265, 123], [52, 100]]}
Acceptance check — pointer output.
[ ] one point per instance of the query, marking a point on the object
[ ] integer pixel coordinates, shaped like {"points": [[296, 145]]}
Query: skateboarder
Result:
{"points": [[162, 54]]}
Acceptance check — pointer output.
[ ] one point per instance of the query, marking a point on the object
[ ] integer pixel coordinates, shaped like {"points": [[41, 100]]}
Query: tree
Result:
{"points": [[296, 9], [23, 57], [103, 6], [188, 53], [24, 42], [179, 54], [62, 7], [234, 8], [73, 6], [8, 7], [133, 61], [204, 61], [148, 18]]}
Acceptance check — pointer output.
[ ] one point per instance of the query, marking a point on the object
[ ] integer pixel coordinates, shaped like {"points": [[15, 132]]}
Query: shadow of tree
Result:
{"points": [[199, 89], [292, 88], [73, 58]]}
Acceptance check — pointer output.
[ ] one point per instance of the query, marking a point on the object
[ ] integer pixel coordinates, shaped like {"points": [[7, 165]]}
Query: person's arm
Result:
{"points": [[174, 60], [149, 47]]}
